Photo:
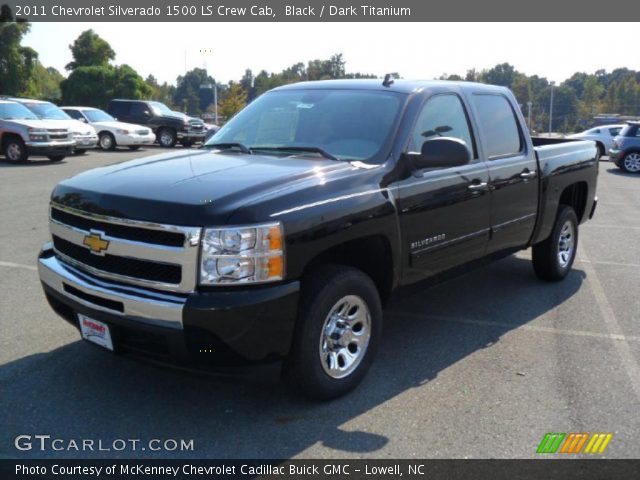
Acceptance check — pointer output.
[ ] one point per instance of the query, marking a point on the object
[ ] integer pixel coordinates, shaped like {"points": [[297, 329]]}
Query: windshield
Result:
{"points": [[159, 107], [98, 116], [347, 124], [15, 111], [47, 110]]}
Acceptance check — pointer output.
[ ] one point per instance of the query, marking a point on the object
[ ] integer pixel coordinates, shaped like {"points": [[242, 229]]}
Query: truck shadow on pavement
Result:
{"points": [[77, 391]]}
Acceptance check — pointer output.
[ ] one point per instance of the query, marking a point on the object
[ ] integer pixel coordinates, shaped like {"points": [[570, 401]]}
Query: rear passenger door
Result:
{"points": [[513, 174]]}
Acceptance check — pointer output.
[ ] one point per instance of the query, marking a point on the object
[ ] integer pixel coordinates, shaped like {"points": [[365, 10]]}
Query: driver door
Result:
{"points": [[444, 212]]}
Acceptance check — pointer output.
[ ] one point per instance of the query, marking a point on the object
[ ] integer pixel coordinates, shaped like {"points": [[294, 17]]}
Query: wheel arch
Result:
{"points": [[575, 196]]}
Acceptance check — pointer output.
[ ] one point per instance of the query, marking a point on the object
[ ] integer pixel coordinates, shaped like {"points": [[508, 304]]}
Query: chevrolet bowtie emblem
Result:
{"points": [[96, 243]]}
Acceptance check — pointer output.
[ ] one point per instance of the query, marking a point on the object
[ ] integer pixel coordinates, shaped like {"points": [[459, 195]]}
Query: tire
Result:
{"points": [[133, 148], [330, 296], [553, 258], [631, 162], [107, 141], [167, 137], [14, 150], [601, 150], [56, 158]]}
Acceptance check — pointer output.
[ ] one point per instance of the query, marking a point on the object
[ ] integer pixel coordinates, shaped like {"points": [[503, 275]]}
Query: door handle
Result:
{"points": [[528, 174], [477, 187]]}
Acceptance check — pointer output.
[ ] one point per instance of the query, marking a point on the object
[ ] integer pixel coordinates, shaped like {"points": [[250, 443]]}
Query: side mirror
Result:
{"points": [[147, 113], [442, 152], [84, 120]]}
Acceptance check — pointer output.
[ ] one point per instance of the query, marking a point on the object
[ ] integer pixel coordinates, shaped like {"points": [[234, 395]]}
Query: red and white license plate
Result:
{"points": [[95, 331]]}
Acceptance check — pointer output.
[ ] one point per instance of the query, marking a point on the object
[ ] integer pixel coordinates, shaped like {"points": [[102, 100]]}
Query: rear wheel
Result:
{"points": [[339, 326], [167, 137], [107, 141], [553, 258], [631, 162], [15, 150], [601, 150]]}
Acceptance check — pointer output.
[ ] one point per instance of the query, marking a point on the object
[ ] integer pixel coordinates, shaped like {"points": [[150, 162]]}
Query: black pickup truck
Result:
{"points": [[170, 127], [283, 237]]}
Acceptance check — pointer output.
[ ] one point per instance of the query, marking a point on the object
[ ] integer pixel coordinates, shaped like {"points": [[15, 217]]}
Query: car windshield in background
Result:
{"points": [[15, 111], [98, 116], [346, 124], [161, 108], [48, 111]]}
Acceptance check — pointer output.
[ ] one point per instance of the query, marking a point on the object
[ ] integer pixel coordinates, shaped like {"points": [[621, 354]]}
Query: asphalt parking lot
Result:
{"points": [[478, 367]]}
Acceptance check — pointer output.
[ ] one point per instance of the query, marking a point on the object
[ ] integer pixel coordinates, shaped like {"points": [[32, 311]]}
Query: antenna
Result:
{"points": [[388, 80]]}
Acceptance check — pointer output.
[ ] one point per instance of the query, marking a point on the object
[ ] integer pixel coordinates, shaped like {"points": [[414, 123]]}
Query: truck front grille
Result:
{"points": [[158, 237], [128, 267], [162, 257]]}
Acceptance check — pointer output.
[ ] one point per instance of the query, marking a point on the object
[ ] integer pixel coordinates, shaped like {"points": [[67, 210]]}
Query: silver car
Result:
{"points": [[625, 152]]}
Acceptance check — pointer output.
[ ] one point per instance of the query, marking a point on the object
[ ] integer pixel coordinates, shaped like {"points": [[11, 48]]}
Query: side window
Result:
{"points": [[119, 108], [75, 114], [138, 109], [614, 131], [498, 122], [442, 116]]}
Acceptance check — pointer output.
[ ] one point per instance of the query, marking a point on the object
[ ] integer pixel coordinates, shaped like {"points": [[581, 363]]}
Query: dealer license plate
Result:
{"points": [[95, 331]]}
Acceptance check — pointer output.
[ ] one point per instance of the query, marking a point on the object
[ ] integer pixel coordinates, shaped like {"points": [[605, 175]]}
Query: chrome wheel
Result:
{"points": [[14, 152], [167, 138], [345, 336], [566, 244], [632, 162]]}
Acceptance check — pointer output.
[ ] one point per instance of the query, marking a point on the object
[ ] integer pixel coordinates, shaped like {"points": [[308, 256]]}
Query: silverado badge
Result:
{"points": [[96, 243]]}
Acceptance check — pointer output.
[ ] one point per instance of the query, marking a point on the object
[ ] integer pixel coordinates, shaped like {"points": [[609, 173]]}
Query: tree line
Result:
{"points": [[93, 80]]}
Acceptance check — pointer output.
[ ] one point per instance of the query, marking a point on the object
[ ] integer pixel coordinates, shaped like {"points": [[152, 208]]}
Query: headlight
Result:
{"points": [[253, 254], [123, 132]]}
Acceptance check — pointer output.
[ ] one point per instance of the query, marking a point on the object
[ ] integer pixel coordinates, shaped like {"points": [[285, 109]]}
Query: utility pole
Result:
{"points": [[551, 109], [529, 104]]}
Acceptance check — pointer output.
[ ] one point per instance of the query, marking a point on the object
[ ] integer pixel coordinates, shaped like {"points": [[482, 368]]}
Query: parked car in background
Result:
{"points": [[602, 135], [625, 152], [112, 133], [168, 126], [212, 129], [23, 134], [84, 135]]}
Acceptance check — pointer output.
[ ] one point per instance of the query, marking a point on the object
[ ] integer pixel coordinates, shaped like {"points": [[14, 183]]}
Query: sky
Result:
{"points": [[415, 50]]}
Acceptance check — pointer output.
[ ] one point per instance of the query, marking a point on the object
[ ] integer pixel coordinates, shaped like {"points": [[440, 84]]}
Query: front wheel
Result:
{"points": [[553, 258], [167, 137], [338, 329], [631, 162], [107, 141], [15, 150]]}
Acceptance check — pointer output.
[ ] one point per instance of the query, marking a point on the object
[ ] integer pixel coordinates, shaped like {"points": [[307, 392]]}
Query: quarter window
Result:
{"points": [[498, 122], [442, 116]]}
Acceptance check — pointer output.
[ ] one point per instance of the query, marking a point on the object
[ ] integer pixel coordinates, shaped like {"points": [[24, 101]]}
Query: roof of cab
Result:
{"points": [[401, 86]]}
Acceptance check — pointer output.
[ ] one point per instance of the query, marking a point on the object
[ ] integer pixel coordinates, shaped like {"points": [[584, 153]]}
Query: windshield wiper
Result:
{"points": [[240, 146], [293, 148]]}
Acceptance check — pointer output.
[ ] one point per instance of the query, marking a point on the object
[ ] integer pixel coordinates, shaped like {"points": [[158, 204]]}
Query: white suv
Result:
{"points": [[23, 134]]}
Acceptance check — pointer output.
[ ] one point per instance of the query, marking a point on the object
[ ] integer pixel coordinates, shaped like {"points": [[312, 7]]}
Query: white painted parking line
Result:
{"points": [[512, 326], [628, 227], [17, 265], [628, 360]]}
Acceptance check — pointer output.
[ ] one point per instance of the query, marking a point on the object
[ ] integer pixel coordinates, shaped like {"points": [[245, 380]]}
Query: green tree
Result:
{"points": [[17, 63], [47, 83], [193, 93], [161, 92], [233, 100], [89, 50], [503, 74]]}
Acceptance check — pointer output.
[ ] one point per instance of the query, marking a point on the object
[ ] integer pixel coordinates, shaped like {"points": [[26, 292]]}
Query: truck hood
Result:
{"points": [[40, 124], [193, 187]]}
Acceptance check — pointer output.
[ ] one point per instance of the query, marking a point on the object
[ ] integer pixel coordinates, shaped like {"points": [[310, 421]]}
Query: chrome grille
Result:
{"points": [[162, 257]]}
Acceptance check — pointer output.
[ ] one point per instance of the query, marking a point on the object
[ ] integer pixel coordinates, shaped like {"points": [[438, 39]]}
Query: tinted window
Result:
{"points": [[614, 131], [498, 123], [349, 124], [442, 116], [630, 130], [138, 109], [119, 108], [74, 114]]}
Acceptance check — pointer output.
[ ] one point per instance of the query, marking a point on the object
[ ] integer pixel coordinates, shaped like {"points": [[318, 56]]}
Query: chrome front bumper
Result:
{"points": [[137, 304]]}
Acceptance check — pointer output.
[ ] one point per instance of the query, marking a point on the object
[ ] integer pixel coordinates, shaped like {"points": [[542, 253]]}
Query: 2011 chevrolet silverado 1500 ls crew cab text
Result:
{"points": [[282, 238]]}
